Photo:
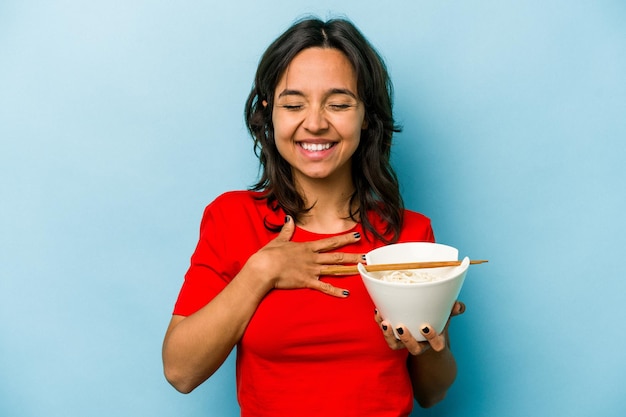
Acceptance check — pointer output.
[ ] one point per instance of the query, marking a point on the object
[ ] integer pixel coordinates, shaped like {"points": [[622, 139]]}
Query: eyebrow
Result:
{"points": [[331, 92]]}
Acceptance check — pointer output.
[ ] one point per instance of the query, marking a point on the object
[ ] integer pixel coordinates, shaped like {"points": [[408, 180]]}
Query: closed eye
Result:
{"points": [[291, 107], [340, 106]]}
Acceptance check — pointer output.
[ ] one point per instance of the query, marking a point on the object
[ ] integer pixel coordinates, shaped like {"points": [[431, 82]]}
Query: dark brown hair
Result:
{"points": [[376, 184]]}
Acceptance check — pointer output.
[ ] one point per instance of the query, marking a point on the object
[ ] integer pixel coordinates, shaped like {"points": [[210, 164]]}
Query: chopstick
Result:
{"points": [[352, 269]]}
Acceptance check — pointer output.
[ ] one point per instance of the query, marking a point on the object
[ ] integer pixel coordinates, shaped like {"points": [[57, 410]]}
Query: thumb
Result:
{"points": [[287, 231]]}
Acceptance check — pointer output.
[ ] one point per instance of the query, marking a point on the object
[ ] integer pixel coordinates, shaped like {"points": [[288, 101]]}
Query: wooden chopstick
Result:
{"points": [[352, 269]]}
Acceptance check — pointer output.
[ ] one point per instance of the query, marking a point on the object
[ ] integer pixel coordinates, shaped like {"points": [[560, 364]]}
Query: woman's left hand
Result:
{"points": [[433, 341]]}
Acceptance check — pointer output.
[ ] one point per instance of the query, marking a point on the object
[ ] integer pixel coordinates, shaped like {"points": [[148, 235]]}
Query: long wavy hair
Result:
{"points": [[376, 184]]}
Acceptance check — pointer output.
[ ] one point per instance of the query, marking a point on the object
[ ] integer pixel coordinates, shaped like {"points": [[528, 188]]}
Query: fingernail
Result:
{"points": [[287, 218], [400, 331], [425, 330], [384, 327], [357, 235], [345, 292]]}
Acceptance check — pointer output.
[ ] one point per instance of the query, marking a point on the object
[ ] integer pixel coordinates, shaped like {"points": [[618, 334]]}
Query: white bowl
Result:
{"points": [[414, 305]]}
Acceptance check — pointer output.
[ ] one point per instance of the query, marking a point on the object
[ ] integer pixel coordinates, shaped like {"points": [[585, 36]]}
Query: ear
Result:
{"points": [[365, 124], [264, 103]]}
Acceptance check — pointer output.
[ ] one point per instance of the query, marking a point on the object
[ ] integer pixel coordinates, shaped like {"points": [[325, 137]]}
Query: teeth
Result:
{"points": [[316, 147]]}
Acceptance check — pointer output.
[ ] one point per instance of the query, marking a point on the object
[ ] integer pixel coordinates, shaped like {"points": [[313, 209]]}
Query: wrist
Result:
{"points": [[254, 275]]}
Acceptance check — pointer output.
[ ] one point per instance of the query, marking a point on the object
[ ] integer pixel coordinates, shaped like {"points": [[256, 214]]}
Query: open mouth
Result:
{"points": [[316, 147]]}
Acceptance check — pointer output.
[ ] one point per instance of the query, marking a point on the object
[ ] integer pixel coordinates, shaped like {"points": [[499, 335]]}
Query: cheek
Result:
{"points": [[282, 138], [283, 143], [353, 130], [283, 127]]}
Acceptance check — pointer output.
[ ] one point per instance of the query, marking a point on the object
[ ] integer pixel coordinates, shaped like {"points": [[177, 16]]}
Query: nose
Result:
{"points": [[315, 120]]}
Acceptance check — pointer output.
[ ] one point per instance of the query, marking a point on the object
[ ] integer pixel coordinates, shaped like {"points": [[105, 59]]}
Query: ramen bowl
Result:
{"points": [[414, 298]]}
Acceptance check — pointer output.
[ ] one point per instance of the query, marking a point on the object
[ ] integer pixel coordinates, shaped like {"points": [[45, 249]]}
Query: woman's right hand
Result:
{"points": [[290, 265], [197, 345]]}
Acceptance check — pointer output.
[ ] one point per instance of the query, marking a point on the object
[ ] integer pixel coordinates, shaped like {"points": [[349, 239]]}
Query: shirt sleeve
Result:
{"points": [[208, 272], [416, 228]]}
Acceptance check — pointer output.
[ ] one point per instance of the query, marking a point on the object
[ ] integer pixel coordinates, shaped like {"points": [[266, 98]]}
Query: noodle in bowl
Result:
{"points": [[415, 297], [410, 276]]}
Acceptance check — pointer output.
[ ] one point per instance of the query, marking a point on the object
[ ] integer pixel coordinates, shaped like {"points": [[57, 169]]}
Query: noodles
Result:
{"points": [[408, 277]]}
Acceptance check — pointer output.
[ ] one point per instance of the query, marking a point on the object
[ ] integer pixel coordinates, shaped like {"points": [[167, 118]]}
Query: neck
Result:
{"points": [[331, 205]]}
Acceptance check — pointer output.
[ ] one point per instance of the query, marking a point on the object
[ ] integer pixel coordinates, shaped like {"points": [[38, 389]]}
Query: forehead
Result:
{"points": [[319, 68]]}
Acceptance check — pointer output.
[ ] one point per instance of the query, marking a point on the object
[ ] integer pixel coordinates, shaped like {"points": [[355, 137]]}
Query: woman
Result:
{"points": [[320, 114]]}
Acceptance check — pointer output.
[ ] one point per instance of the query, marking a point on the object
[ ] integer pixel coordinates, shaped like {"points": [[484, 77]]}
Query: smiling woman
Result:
{"points": [[373, 178], [318, 118], [321, 118]]}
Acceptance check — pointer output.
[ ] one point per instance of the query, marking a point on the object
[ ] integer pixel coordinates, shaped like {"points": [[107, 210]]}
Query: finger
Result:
{"points": [[287, 231], [458, 308], [389, 336], [409, 342], [325, 245], [326, 288], [377, 317], [436, 341], [339, 258]]}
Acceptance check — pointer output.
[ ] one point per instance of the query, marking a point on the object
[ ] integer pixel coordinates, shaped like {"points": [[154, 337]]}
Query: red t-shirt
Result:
{"points": [[304, 353]]}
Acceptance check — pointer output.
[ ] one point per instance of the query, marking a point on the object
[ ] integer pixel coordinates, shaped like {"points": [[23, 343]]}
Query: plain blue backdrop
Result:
{"points": [[121, 120]]}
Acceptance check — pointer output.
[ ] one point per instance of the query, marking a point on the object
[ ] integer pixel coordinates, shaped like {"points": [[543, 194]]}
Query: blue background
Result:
{"points": [[121, 120]]}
